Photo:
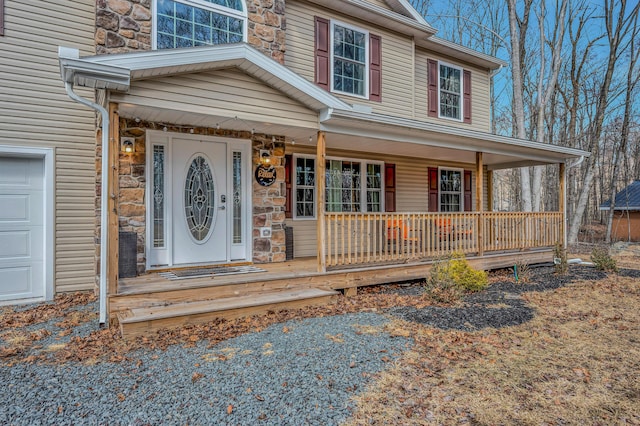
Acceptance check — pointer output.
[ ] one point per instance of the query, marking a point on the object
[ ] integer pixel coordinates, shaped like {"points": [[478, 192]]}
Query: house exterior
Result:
{"points": [[217, 119], [47, 153], [626, 216]]}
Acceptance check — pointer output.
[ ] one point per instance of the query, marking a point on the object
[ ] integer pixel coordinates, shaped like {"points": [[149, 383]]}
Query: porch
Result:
{"points": [[150, 302]]}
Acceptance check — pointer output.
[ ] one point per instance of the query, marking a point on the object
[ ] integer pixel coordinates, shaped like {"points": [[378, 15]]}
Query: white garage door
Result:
{"points": [[21, 228]]}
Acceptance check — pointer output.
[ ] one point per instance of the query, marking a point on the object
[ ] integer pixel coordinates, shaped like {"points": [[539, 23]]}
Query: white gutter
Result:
{"points": [[104, 196]]}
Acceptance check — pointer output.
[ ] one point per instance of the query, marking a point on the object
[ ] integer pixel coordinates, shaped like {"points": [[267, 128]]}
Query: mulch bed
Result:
{"points": [[500, 305]]}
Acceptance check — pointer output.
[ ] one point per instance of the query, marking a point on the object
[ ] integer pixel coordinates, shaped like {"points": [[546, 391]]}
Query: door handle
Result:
{"points": [[221, 208]]}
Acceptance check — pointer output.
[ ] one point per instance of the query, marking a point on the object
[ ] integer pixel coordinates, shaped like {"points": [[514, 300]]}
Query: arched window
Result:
{"points": [[190, 23]]}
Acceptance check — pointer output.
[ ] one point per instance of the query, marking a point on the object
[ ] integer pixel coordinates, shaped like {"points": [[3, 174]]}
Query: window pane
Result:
{"points": [[237, 198], [158, 197], [349, 56], [305, 184], [450, 92], [197, 26]]}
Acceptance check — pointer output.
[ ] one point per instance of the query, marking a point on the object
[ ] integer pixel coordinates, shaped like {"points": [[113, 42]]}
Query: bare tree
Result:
{"points": [[518, 30], [618, 25], [633, 76]]}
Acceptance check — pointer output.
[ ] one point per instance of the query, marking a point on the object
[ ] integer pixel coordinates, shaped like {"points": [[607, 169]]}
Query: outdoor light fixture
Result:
{"points": [[265, 157], [128, 145]]}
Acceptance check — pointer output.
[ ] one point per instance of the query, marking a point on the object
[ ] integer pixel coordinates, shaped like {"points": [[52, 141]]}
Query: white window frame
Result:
{"points": [[453, 169], [294, 187], [363, 183], [461, 94], [201, 4], [365, 94]]}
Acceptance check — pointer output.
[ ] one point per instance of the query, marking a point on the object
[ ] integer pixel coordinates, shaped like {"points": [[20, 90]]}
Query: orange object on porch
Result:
{"points": [[399, 230]]}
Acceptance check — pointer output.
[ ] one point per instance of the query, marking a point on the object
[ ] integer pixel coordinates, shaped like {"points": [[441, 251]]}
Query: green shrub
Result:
{"points": [[451, 277], [603, 261]]}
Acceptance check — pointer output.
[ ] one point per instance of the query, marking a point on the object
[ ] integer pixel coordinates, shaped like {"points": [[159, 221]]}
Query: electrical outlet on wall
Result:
{"points": [[265, 232]]}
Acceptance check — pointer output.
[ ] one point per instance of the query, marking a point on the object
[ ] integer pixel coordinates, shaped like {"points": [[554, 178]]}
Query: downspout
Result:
{"points": [[104, 197]]}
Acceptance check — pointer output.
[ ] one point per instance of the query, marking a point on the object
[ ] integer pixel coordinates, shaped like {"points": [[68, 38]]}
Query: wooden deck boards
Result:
{"points": [[152, 301], [304, 270]]}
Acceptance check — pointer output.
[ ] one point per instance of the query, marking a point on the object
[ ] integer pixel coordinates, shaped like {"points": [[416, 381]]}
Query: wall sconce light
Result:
{"points": [[128, 145], [265, 157]]}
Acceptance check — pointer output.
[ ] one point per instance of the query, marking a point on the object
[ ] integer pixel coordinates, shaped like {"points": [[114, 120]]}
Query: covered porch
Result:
{"points": [[389, 240]]}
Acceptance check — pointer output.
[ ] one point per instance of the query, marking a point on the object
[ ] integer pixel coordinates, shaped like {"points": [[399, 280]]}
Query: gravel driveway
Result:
{"points": [[301, 372]]}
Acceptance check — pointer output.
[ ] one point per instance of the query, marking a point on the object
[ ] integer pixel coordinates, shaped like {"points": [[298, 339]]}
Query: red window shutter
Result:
{"points": [[375, 68], [322, 52], [1, 17], [288, 170], [467, 191], [433, 189], [389, 187], [432, 90], [466, 96]]}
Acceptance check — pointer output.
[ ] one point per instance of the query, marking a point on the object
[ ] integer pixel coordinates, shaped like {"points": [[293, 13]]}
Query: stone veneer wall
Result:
{"points": [[125, 26], [269, 205], [268, 202]]}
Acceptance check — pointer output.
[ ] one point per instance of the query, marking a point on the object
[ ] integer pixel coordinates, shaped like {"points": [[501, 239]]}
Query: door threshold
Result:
{"points": [[164, 268]]}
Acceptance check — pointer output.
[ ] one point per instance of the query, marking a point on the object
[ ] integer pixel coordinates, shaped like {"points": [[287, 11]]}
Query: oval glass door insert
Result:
{"points": [[199, 198]]}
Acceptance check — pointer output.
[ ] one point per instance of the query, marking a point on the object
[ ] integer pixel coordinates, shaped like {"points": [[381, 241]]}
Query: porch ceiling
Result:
{"points": [[391, 135], [186, 119]]}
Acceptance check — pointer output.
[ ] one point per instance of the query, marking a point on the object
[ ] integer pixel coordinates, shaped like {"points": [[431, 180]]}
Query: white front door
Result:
{"points": [[200, 206], [21, 228]]}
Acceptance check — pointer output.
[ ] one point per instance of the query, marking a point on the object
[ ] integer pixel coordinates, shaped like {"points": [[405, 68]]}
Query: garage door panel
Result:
{"points": [[16, 172], [21, 228], [15, 245]]}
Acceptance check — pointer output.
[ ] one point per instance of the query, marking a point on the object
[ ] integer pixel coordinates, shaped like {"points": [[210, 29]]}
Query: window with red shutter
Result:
{"points": [[389, 187], [322, 52], [467, 191], [375, 68], [448, 91], [1, 17], [466, 96]]}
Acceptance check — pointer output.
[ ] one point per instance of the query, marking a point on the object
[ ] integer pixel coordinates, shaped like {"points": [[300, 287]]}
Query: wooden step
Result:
{"points": [[140, 321]]}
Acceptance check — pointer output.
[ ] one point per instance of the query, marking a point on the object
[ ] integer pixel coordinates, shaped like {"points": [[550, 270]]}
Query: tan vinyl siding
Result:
{"points": [[411, 190], [226, 93], [480, 94], [397, 57], [36, 112]]}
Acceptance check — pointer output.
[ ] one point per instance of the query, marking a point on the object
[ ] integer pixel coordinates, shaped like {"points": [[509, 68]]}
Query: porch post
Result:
{"points": [[562, 202], [479, 201], [111, 233], [320, 207], [489, 190]]}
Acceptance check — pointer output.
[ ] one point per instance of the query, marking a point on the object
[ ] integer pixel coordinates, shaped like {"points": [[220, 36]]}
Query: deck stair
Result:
{"points": [[140, 320]]}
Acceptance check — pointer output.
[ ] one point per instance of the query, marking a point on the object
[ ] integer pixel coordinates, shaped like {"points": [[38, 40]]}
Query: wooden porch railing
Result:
{"points": [[371, 238]]}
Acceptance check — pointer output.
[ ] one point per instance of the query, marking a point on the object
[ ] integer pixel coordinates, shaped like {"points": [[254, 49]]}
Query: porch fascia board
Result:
{"points": [[524, 152], [159, 63], [457, 51], [415, 25]]}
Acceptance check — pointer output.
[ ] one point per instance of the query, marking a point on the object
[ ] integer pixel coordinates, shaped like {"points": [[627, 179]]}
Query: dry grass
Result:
{"points": [[577, 362]]}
